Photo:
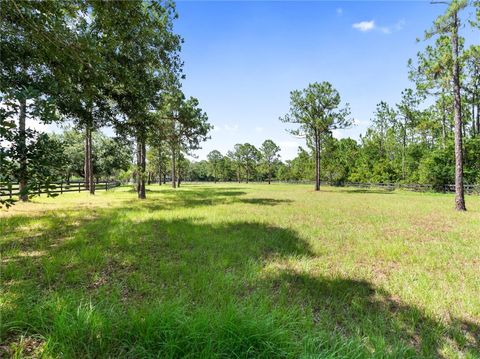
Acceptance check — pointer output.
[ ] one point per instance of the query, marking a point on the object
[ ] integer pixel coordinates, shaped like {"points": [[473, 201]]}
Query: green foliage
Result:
{"points": [[110, 155], [44, 157], [215, 160], [315, 109], [249, 157]]}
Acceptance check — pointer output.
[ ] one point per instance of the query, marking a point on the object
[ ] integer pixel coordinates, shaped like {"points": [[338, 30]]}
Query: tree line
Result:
{"points": [[117, 64], [93, 64]]}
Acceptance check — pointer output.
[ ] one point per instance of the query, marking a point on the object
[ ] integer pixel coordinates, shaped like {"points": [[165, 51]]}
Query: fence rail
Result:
{"points": [[12, 189], [415, 187]]}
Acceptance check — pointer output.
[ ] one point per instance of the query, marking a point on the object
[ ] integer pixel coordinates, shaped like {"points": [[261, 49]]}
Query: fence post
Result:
{"points": [[61, 186], [106, 185], [78, 186]]}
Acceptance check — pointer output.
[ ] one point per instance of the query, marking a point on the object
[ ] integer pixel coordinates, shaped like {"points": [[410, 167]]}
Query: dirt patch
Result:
{"points": [[23, 347]]}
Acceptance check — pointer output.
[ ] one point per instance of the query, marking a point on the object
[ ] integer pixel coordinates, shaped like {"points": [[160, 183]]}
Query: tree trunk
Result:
{"points": [[478, 118], [444, 123], [457, 112], [269, 175], [404, 147], [90, 163], [141, 167], [317, 162], [474, 127], [88, 166], [174, 181], [159, 166], [22, 146]]}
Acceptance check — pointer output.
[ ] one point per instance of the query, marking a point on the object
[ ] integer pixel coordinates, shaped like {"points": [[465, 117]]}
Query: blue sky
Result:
{"points": [[243, 58]]}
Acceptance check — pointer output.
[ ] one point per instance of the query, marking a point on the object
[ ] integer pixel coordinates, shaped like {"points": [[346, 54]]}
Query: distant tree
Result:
{"points": [[110, 155], [44, 162], [183, 168], [449, 23], [339, 159], [269, 152], [188, 127], [472, 87], [227, 169], [406, 121], [215, 159], [432, 75], [316, 111], [113, 156], [236, 158], [249, 158], [302, 167], [199, 171]]}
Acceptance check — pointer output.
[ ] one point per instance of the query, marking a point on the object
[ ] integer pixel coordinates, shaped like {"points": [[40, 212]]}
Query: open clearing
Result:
{"points": [[236, 270]]}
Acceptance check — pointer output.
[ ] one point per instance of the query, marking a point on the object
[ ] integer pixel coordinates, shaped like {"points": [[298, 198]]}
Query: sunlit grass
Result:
{"points": [[235, 270]]}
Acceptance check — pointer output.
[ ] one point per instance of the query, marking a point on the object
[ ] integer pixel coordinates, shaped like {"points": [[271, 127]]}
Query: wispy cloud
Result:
{"points": [[399, 25], [339, 11], [364, 26], [258, 129]]}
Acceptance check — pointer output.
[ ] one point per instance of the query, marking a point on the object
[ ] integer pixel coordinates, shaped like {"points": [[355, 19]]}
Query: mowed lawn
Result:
{"points": [[241, 271]]}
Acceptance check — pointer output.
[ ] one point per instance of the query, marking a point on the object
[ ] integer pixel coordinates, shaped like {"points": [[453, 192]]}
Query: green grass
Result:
{"points": [[242, 271]]}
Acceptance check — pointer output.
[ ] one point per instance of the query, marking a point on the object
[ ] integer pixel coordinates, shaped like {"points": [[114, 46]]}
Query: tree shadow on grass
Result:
{"points": [[116, 261], [356, 310], [357, 190], [265, 201], [203, 196]]}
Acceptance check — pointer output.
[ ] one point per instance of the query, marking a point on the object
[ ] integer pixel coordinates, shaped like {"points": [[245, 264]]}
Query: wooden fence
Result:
{"points": [[415, 187], [12, 189]]}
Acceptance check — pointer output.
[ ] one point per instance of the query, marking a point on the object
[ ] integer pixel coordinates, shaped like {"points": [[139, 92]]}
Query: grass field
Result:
{"points": [[235, 270]]}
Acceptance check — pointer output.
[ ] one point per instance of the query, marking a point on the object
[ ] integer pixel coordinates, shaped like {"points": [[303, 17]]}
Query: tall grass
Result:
{"points": [[247, 271]]}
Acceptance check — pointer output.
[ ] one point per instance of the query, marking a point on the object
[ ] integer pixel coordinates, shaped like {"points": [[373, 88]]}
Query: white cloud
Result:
{"points": [[339, 11], [364, 25], [258, 129]]}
